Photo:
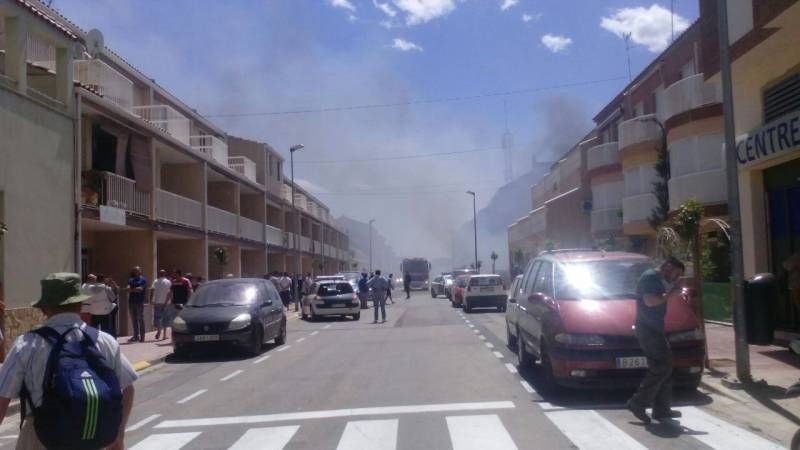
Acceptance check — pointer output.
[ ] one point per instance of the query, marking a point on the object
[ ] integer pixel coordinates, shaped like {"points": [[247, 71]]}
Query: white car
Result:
{"points": [[485, 291], [331, 298]]}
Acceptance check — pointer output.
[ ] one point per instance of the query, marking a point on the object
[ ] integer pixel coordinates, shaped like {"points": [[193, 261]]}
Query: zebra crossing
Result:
{"points": [[582, 428]]}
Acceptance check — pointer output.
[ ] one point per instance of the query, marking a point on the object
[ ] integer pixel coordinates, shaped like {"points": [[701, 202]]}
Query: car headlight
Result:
{"points": [[686, 336], [580, 339], [179, 325], [239, 322]]}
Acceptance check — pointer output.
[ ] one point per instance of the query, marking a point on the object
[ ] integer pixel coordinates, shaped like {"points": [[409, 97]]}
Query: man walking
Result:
{"points": [[28, 359], [652, 292], [391, 287], [379, 287], [285, 289], [181, 288], [363, 290], [160, 296], [137, 284], [407, 285]]}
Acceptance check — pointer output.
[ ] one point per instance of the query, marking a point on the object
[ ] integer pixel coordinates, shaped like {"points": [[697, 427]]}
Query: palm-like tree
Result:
{"points": [[494, 257]]}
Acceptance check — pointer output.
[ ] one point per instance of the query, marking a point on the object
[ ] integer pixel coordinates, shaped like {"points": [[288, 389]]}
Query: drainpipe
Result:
{"points": [[76, 160]]}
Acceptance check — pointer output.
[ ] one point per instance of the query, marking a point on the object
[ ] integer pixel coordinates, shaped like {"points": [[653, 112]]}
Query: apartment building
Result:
{"points": [[765, 57]]}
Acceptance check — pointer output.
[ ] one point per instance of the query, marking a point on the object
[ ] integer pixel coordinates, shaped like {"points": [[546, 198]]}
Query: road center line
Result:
{"points": [[326, 327], [471, 326], [476, 331], [300, 340], [142, 422], [376, 411], [528, 388], [231, 375], [488, 344], [511, 368], [483, 338], [285, 347], [498, 355], [195, 395], [315, 332], [262, 359]]}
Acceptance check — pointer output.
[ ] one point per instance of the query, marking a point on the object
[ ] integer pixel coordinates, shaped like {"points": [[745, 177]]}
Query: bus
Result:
{"points": [[419, 270]]}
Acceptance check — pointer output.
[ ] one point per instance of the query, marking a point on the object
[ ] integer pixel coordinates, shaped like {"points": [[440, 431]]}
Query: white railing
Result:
{"points": [[120, 192], [317, 247], [40, 52], [274, 236], [221, 221], [639, 129], [638, 207], [606, 220], [106, 81], [244, 166], [211, 147], [286, 193], [168, 119], [690, 93], [602, 155], [330, 251], [177, 209], [305, 244], [300, 201], [709, 187], [251, 229]]}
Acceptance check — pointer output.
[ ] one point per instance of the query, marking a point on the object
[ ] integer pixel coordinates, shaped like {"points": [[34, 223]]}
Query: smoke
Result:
{"points": [[564, 121]]}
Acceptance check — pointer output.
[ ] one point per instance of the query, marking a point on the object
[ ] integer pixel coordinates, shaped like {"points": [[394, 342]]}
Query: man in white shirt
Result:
{"points": [[100, 304], [285, 288], [161, 297]]}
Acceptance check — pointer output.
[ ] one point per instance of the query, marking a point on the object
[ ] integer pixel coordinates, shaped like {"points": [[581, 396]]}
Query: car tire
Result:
{"points": [[433, 294], [280, 339], [502, 308], [357, 316], [467, 308], [180, 351], [256, 341], [312, 316], [510, 338], [524, 359]]}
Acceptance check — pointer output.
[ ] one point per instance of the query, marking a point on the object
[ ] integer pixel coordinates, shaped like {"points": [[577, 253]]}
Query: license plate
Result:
{"points": [[632, 362], [487, 289], [206, 337], [339, 305]]}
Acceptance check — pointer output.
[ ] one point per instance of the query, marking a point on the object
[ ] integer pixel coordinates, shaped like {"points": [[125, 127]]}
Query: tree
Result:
{"points": [[660, 212], [221, 255], [494, 257], [519, 261]]}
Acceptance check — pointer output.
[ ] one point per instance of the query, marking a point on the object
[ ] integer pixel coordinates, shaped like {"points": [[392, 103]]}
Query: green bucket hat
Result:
{"points": [[61, 288]]}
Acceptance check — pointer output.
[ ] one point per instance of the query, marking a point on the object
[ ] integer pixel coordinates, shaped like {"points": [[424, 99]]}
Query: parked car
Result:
{"points": [[437, 287], [244, 312], [485, 291], [512, 309], [459, 287], [576, 313], [449, 281], [331, 298]]}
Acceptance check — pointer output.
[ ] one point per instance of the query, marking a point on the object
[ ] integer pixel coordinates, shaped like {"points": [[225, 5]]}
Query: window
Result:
{"points": [[782, 98], [544, 279], [269, 164], [484, 281], [279, 167], [530, 276]]}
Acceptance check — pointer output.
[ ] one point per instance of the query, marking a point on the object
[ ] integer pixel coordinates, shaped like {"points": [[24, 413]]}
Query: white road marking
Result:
{"points": [[10, 436], [719, 434], [511, 368], [467, 321], [479, 432], [262, 359], [315, 332], [325, 414], [166, 441], [589, 430], [300, 340], [284, 348], [369, 435], [476, 331], [326, 327], [274, 438], [488, 344], [195, 395], [528, 388], [231, 375], [497, 354], [142, 422], [547, 406], [471, 326]]}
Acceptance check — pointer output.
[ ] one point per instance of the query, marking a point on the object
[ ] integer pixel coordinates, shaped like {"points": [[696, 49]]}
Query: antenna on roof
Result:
{"points": [[627, 38], [94, 42], [672, 18]]}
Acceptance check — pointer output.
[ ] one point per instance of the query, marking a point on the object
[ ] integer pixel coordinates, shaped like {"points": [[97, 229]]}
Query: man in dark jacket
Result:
{"points": [[407, 285]]}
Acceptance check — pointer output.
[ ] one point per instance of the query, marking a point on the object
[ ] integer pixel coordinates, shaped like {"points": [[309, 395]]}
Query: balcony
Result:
{"points": [[708, 188], [330, 251], [222, 221], [116, 191], [305, 244], [211, 147], [606, 220], [637, 130], [688, 94], [602, 155], [300, 202], [104, 79], [179, 210], [244, 166], [251, 229], [637, 208], [274, 236], [286, 193], [168, 119]]}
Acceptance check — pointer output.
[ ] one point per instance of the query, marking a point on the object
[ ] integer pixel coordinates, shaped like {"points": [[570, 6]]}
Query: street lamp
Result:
{"points": [[295, 247], [371, 221], [475, 227]]}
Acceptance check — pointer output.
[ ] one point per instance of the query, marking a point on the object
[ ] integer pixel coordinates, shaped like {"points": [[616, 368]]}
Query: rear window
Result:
{"points": [[331, 289], [485, 281]]}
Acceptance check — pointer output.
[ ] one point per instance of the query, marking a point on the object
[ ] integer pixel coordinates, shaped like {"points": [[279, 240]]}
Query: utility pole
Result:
{"points": [[371, 221], [735, 220], [475, 227], [627, 38], [295, 245]]}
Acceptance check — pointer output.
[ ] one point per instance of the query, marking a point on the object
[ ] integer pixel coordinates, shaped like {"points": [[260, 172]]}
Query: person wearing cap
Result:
{"points": [[60, 302]]}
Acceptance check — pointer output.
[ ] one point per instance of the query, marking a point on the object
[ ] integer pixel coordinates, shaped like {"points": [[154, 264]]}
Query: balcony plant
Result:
{"points": [[660, 213], [221, 255]]}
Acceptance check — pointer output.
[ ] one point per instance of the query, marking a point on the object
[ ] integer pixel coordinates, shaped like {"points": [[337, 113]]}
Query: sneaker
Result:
{"points": [[133, 339], [666, 414], [374, 321], [639, 412]]}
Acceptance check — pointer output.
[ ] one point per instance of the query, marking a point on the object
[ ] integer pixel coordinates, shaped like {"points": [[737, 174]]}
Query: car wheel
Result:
{"points": [[510, 338], [312, 316], [501, 308], [467, 308], [179, 350], [357, 316], [280, 339], [433, 294], [524, 359], [256, 341]]}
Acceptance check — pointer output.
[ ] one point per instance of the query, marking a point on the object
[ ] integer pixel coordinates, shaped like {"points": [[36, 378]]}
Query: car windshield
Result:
{"points": [[484, 281], [597, 280], [334, 289], [224, 294]]}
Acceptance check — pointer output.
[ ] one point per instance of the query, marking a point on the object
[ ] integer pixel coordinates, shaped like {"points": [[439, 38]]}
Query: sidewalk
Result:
{"points": [[762, 406], [144, 354]]}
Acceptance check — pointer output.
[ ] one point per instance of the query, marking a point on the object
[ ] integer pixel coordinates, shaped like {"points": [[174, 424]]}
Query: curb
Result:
{"points": [[719, 322], [143, 365]]}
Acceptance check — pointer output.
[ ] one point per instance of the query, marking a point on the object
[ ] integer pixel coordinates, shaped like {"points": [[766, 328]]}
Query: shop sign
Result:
{"points": [[773, 140], [109, 214]]}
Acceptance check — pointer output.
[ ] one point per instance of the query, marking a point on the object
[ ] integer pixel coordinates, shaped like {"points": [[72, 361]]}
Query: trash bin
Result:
{"points": [[761, 291]]}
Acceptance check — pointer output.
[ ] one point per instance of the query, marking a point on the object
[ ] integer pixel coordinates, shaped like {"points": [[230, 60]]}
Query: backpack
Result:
{"points": [[82, 400]]}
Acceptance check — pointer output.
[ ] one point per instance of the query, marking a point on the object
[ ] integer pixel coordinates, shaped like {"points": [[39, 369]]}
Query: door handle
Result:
{"points": [[523, 308]]}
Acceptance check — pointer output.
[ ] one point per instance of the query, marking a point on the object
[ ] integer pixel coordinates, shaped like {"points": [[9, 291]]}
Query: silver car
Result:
{"points": [[331, 298]]}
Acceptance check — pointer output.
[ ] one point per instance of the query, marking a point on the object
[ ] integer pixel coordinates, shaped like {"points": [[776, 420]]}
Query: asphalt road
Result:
{"points": [[430, 378]]}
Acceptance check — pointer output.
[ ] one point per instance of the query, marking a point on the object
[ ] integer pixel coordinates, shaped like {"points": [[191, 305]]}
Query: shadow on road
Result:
{"points": [[215, 353]]}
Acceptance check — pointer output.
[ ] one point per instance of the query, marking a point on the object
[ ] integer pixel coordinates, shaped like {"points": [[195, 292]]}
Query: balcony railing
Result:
{"points": [[251, 229], [168, 119], [602, 155], [690, 93], [211, 147], [40, 52], [244, 166], [300, 201], [179, 210], [305, 244], [117, 191], [317, 247], [221, 221], [638, 208], [639, 129], [605, 220], [275, 236], [106, 81], [709, 187], [286, 193], [330, 251]]}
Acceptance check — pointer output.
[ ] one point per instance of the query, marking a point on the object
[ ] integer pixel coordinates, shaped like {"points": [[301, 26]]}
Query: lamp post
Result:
{"points": [[371, 221], [297, 266], [475, 227]]}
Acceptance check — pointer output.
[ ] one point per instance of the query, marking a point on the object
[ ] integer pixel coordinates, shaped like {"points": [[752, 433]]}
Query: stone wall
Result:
{"points": [[18, 321]]}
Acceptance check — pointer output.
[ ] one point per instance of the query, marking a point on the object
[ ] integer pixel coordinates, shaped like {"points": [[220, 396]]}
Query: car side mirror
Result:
{"points": [[541, 298]]}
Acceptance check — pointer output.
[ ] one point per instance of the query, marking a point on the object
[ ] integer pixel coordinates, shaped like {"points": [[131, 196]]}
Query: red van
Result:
{"points": [[575, 313]]}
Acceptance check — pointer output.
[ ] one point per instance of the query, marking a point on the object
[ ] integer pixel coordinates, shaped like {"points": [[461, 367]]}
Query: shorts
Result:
{"points": [[162, 315]]}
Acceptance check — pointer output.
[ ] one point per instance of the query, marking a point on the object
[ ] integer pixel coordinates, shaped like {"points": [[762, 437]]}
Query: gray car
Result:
{"points": [[331, 298]]}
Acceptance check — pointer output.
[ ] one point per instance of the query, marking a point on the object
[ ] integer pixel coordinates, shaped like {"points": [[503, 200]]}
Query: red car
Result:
{"points": [[575, 313], [459, 287]]}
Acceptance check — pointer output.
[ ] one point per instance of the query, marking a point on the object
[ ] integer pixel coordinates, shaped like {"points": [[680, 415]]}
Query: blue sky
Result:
{"points": [[238, 56]]}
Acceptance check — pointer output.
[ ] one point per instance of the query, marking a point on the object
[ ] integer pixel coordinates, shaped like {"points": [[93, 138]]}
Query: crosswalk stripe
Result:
{"points": [[273, 438], [589, 430], [478, 433], [369, 435], [165, 441], [142, 422], [719, 434]]}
